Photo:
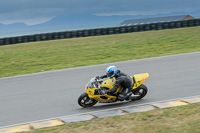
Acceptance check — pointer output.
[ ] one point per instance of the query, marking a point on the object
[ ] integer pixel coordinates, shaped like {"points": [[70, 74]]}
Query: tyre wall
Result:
{"points": [[99, 31]]}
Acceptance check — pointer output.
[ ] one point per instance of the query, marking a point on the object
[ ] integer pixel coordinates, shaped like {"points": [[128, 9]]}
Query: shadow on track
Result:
{"points": [[103, 106]]}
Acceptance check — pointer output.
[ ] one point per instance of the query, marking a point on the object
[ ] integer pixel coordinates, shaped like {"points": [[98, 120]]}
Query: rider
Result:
{"points": [[121, 79]]}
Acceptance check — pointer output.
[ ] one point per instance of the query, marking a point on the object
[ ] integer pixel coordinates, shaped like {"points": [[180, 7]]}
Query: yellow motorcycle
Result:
{"points": [[94, 87]]}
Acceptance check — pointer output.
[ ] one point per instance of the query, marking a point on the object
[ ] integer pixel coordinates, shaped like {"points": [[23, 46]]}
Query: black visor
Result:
{"points": [[110, 74]]}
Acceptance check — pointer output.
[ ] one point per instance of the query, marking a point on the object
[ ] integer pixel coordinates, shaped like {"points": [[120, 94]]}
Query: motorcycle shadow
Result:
{"points": [[103, 106]]}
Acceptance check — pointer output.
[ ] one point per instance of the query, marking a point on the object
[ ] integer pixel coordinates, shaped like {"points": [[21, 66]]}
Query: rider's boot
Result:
{"points": [[125, 95]]}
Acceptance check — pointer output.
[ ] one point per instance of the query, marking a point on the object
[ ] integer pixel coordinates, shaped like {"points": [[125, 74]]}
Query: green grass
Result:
{"points": [[183, 119], [40, 56]]}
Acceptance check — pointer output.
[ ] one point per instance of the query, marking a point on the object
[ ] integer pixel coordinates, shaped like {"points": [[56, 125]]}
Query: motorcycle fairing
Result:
{"points": [[139, 79], [109, 83]]}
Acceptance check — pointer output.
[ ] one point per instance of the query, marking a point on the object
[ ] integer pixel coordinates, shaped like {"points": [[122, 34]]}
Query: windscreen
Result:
{"points": [[91, 84]]}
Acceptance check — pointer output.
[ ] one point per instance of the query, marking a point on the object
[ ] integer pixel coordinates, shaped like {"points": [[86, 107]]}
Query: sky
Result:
{"points": [[33, 12]]}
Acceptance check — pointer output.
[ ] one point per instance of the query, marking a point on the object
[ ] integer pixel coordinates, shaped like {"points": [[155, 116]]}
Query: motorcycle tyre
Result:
{"points": [[145, 90], [85, 105]]}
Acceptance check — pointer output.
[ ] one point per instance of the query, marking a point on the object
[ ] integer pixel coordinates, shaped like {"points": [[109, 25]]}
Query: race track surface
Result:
{"points": [[52, 94]]}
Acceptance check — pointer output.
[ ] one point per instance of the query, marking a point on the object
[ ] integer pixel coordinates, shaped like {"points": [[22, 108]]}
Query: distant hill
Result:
{"points": [[84, 21]]}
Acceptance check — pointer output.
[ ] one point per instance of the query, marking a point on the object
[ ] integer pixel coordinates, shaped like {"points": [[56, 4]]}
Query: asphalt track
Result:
{"points": [[52, 94]]}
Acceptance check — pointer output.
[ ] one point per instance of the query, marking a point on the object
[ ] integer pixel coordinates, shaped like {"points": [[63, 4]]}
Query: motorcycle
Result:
{"points": [[93, 89]]}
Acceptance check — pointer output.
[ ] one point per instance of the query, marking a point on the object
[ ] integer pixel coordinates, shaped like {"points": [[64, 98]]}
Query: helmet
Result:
{"points": [[111, 71]]}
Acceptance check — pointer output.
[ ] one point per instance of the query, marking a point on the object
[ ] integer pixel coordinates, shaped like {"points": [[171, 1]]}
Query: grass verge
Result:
{"points": [[183, 119], [40, 56]]}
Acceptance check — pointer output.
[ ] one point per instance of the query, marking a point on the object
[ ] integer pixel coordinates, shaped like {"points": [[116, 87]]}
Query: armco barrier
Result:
{"points": [[99, 31]]}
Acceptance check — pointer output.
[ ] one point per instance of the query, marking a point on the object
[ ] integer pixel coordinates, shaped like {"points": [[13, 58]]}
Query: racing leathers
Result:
{"points": [[125, 81]]}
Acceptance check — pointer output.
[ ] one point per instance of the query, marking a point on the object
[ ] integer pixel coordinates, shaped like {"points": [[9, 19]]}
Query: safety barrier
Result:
{"points": [[99, 31]]}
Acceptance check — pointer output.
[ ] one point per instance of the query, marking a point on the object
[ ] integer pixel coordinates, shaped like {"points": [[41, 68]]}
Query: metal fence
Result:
{"points": [[99, 31]]}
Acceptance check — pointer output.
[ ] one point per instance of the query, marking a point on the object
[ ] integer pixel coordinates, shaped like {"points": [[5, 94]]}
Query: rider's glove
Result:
{"points": [[103, 92], [97, 77]]}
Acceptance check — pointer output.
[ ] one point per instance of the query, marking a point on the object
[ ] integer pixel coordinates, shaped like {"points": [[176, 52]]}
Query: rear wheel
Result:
{"points": [[139, 92], [85, 101]]}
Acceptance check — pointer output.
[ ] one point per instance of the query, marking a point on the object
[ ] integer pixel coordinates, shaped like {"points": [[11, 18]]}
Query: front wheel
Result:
{"points": [[139, 92], [85, 101]]}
